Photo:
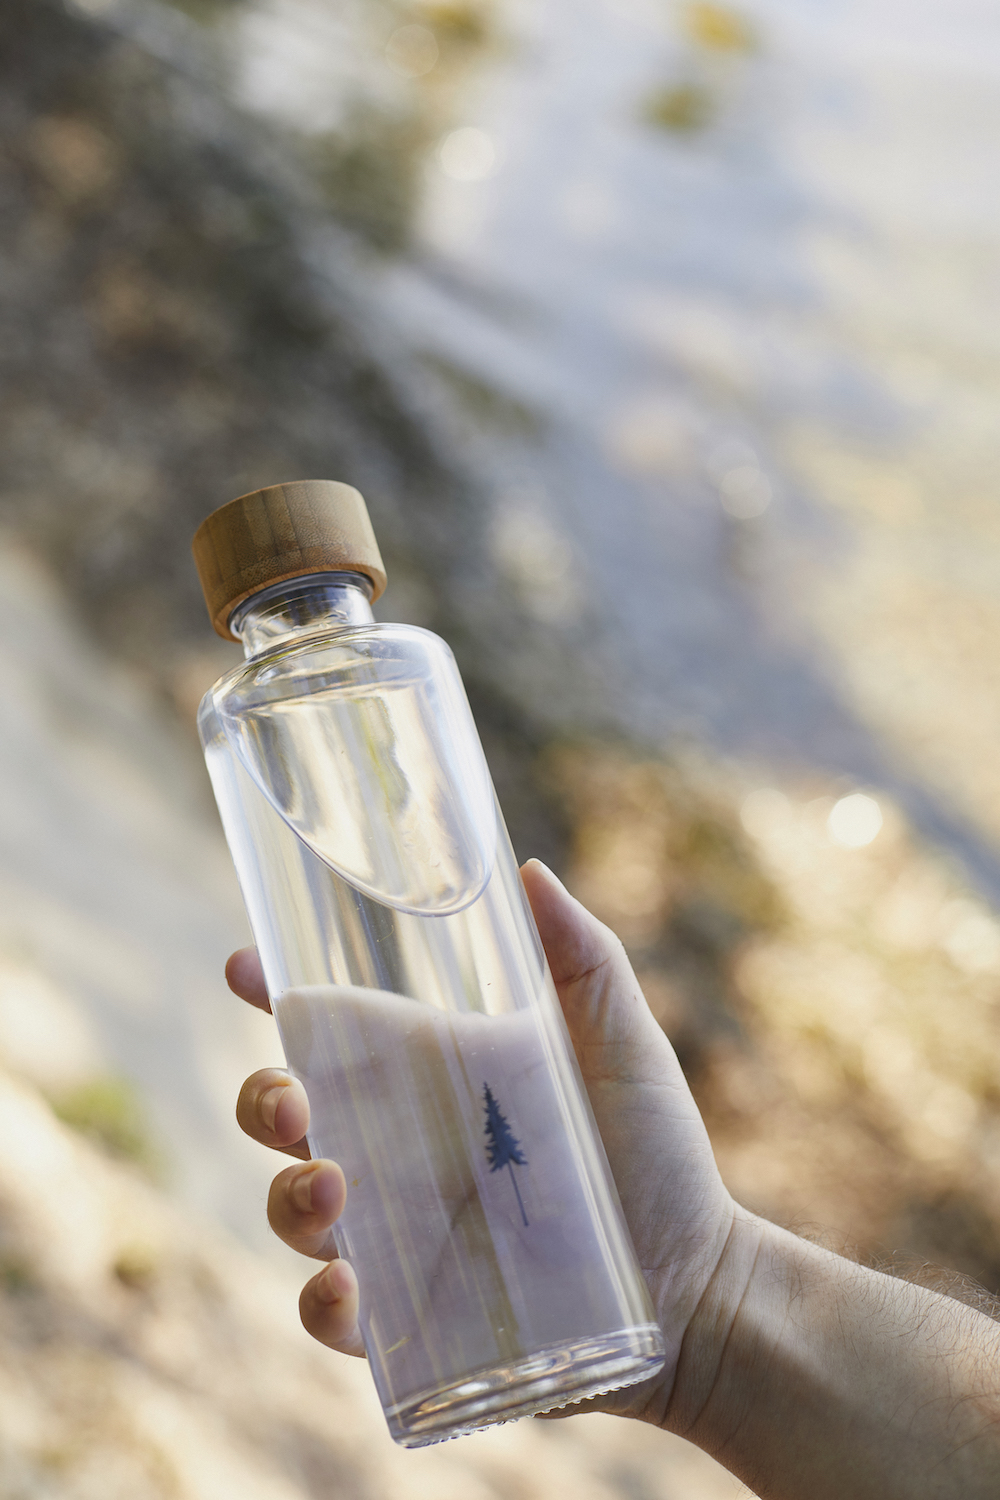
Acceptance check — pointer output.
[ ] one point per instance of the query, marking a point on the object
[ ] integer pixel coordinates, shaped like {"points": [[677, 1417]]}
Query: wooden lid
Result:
{"points": [[310, 526]]}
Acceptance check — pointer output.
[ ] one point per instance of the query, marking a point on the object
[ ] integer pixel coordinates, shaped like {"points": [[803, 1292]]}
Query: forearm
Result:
{"points": [[806, 1374]]}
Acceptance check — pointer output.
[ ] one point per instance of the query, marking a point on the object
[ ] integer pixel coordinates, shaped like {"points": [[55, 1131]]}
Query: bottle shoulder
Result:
{"points": [[349, 657]]}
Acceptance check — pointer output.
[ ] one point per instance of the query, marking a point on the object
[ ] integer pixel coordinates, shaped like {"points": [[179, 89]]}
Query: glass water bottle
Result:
{"points": [[409, 985]]}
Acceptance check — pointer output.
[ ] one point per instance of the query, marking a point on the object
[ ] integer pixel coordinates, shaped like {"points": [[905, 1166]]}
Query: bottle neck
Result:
{"points": [[300, 607]]}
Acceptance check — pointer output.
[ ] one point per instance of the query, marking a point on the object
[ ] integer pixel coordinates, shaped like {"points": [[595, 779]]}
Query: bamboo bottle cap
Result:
{"points": [[310, 526]]}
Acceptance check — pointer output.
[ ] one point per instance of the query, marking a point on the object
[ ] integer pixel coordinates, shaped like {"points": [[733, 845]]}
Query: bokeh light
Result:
{"points": [[468, 154], [855, 821], [763, 810], [412, 51], [745, 492]]}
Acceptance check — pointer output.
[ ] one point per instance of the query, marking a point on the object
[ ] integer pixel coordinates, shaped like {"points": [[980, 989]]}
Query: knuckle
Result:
{"points": [[278, 1198]]}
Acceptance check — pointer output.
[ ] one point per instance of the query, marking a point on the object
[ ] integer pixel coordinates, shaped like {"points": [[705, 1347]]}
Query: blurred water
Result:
{"points": [[765, 350]]}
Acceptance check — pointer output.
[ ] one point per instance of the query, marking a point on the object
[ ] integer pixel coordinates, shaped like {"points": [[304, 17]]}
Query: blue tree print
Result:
{"points": [[502, 1149]]}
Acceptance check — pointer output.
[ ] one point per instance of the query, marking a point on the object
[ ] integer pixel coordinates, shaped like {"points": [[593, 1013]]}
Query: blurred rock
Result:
{"points": [[118, 907], [181, 321]]}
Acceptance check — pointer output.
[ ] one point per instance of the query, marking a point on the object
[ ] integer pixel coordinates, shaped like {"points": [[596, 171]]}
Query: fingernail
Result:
{"points": [[326, 1289], [301, 1191], [268, 1106]]}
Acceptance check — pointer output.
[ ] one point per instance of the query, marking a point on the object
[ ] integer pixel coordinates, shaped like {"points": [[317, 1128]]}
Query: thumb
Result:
{"points": [[616, 1037]]}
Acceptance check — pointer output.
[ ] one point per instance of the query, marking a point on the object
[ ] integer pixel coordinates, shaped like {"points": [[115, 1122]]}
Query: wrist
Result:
{"points": [[700, 1407], [765, 1381], [803, 1372]]}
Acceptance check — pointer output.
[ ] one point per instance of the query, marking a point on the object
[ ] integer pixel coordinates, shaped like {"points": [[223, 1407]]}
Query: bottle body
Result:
{"points": [[414, 1003]]}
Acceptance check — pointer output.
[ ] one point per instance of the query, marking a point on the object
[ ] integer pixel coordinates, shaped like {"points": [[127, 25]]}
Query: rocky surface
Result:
{"points": [[118, 902], [169, 338]]}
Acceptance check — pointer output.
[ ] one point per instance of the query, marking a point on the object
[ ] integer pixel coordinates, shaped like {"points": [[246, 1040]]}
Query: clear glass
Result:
{"points": [[415, 1004]]}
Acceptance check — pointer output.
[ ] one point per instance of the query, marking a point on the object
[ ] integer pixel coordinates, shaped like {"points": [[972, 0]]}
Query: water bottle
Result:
{"points": [[408, 983]]}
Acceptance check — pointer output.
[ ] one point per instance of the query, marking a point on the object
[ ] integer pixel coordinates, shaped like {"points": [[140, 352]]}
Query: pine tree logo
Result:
{"points": [[502, 1149]]}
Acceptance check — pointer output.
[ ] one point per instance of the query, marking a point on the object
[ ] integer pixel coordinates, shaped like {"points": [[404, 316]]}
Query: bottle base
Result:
{"points": [[543, 1381]]}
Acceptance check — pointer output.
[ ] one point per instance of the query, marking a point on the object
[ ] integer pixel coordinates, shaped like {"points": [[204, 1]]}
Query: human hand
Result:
{"points": [[304, 1200], [677, 1209], [800, 1371]]}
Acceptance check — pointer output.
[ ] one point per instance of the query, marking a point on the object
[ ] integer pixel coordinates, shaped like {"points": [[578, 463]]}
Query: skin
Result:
{"points": [[801, 1372]]}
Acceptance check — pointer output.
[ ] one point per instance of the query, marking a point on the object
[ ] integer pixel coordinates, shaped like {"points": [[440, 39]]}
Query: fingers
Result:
{"points": [[245, 978], [328, 1307], [576, 943], [304, 1201], [302, 1205], [273, 1109], [614, 1033]]}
